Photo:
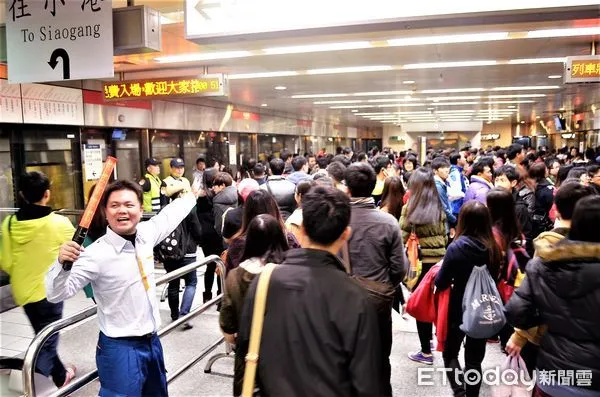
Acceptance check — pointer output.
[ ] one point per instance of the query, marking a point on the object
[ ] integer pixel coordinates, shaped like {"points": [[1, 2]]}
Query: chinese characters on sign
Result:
{"points": [[583, 69], [210, 85], [50, 40]]}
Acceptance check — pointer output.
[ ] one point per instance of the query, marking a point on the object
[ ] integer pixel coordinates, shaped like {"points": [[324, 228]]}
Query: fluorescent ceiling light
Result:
{"points": [[448, 39], [535, 34], [451, 90], [337, 102], [455, 111], [351, 107], [262, 75], [280, 87], [209, 56], [454, 103], [351, 69], [517, 96], [309, 96], [299, 49], [555, 76], [264, 105], [350, 94], [458, 64], [391, 105], [452, 98], [531, 61], [526, 88], [408, 82], [405, 99], [354, 110], [377, 106], [499, 102]]}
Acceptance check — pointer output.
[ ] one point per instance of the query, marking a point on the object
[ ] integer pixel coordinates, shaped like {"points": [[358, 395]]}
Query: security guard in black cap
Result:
{"points": [[151, 186]]}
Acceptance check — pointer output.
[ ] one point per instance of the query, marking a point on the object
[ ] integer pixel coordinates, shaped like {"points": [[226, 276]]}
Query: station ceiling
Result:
{"points": [[507, 71]]}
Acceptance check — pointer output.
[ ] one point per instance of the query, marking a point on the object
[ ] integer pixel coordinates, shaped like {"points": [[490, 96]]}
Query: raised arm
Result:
{"points": [[170, 217]]}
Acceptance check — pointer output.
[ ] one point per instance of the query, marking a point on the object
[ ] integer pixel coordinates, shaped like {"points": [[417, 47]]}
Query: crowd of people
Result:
{"points": [[338, 227]]}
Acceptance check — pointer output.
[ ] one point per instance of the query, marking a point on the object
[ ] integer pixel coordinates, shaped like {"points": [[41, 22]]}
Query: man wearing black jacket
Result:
{"points": [[375, 252], [191, 237], [320, 329]]}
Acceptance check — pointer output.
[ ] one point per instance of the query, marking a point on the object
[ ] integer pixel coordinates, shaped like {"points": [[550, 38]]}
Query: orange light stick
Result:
{"points": [[92, 206]]}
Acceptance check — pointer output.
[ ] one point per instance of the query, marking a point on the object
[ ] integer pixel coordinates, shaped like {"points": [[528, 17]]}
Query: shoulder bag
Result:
{"points": [[258, 317]]}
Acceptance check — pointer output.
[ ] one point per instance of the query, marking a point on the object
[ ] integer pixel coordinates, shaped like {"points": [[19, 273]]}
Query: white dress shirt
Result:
{"points": [[125, 308]]}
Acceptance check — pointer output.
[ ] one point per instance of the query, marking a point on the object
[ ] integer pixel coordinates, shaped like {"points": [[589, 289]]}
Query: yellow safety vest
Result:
{"points": [[152, 198]]}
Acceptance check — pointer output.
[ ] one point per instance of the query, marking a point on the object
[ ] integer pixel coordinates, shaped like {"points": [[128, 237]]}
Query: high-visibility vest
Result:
{"points": [[152, 198]]}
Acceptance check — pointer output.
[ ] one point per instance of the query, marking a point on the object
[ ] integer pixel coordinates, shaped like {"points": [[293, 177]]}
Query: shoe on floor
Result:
{"points": [[421, 358], [70, 375], [187, 326]]}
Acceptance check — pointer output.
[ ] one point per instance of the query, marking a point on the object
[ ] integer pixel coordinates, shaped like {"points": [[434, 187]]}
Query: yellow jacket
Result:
{"points": [[28, 251]]}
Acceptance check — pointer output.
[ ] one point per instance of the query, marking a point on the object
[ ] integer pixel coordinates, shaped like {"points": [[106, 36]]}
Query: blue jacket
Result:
{"points": [[457, 188], [298, 176], [443, 193]]}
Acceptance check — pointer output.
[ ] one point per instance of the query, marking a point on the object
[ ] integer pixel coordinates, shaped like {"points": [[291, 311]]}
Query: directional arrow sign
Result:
{"points": [[61, 53], [202, 5], [76, 36]]}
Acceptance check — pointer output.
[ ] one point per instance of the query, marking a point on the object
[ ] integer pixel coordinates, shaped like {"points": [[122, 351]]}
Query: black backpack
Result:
{"points": [[174, 246]]}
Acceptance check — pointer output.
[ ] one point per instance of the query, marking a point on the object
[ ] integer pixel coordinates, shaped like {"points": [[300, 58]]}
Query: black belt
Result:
{"points": [[140, 338]]}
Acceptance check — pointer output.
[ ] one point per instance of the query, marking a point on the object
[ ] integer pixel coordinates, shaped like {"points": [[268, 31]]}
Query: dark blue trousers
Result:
{"points": [[132, 367], [41, 314]]}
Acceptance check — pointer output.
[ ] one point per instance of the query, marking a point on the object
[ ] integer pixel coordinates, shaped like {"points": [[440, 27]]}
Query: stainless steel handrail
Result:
{"points": [[81, 381], [75, 212]]}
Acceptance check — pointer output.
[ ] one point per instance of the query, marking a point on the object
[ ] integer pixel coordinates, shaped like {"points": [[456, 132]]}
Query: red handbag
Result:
{"points": [[421, 303]]}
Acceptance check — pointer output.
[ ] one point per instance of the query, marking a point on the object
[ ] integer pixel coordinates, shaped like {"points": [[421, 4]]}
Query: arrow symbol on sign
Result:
{"points": [[62, 53], [201, 6]]}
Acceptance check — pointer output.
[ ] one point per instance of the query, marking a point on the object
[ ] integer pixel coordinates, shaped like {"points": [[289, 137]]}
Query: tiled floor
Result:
{"points": [[16, 332]]}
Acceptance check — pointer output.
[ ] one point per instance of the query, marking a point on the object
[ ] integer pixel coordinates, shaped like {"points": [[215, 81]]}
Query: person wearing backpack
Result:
{"points": [[179, 248], [474, 246], [424, 217], [544, 196]]}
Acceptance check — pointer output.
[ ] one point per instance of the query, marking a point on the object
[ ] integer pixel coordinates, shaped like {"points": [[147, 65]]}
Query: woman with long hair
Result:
{"points": [[392, 202], [508, 236], [391, 198], [265, 242], [424, 215], [474, 245], [294, 222], [544, 197], [258, 202]]}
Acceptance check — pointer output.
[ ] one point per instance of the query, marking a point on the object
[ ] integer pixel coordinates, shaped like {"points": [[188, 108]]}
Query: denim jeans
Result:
{"points": [[41, 314], [173, 290]]}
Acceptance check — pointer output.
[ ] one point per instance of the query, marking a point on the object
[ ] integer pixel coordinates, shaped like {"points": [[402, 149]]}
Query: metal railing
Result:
{"points": [[82, 381]]}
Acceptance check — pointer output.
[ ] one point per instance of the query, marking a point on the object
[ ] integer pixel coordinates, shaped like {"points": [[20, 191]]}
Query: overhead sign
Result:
{"points": [[584, 69], [92, 161], [48, 104], [207, 85], [490, 137], [228, 19], [55, 40]]}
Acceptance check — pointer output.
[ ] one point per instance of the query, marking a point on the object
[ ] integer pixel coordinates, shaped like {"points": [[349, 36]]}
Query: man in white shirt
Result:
{"points": [[120, 267]]}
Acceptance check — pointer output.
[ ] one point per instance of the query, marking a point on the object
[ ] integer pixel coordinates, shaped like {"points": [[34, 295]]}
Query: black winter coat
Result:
{"points": [[320, 335], [562, 291], [462, 255]]}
